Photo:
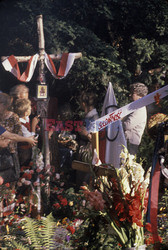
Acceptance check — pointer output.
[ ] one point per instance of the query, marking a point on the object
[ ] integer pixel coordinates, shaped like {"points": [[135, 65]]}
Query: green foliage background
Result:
{"points": [[116, 39]]}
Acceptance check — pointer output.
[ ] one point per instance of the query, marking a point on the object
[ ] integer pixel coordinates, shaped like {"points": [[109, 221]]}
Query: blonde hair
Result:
{"points": [[17, 90], [6, 100], [21, 106]]}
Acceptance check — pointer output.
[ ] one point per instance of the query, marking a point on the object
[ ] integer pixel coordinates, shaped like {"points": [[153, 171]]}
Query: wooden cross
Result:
{"points": [[43, 103]]}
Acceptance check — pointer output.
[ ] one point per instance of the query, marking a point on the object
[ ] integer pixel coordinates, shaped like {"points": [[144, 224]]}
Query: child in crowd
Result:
{"points": [[22, 108]]}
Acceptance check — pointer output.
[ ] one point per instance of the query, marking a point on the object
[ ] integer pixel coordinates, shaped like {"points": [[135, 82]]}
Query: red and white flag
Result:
{"points": [[10, 64], [111, 138], [66, 63]]}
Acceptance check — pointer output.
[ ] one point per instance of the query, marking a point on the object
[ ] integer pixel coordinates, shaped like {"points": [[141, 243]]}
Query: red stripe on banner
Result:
{"points": [[102, 145], [63, 64], [154, 201], [12, 60], [25, 74], [52, 64], [14, 64]]}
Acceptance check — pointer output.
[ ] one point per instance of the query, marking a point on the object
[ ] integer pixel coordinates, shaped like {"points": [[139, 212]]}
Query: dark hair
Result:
{"points": [[88, 98], [139, 88]]}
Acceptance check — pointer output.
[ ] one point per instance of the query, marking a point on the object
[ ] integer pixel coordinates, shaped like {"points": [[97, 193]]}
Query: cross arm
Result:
{"points": [[53, 57]]}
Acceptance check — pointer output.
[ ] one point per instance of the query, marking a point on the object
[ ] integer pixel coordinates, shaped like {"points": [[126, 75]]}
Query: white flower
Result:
{"points": [[27, 182], [125, 185], [146, 181], [131, 159], [138, 173], [57, 176], [124, 180], [23, 180], [124, 155], [83, 203]]}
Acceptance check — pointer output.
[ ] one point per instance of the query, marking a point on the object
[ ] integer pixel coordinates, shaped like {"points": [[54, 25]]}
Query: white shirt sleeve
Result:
{"points": [[26, 132]]}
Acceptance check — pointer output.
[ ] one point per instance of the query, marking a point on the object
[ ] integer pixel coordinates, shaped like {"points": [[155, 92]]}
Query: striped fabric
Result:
{"points": [[66, 63], [10, 64]]}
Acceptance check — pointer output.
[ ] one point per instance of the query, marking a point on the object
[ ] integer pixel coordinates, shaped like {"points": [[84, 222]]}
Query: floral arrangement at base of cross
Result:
{"points": [[121, 199]]}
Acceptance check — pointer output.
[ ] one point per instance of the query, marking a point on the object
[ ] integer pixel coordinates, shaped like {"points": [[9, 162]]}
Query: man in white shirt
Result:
{"points": [[134, 124]]}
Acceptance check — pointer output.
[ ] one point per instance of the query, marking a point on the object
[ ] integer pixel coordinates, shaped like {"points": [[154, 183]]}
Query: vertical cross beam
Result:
{"points": [[42, 105], [40, 32]]}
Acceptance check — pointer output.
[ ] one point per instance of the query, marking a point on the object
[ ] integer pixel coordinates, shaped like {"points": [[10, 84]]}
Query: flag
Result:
{"points": [[10, 64], [66, 63], [152, 208], [111, 138]]}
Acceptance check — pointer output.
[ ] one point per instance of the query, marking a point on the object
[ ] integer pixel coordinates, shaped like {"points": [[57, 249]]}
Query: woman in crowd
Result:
{"points": [[87, 103], [10, 128]]}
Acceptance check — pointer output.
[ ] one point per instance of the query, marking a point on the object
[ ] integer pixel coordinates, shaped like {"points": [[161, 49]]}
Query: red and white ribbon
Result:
{"points": [[118, 114], [10, 64], [66, 63]]}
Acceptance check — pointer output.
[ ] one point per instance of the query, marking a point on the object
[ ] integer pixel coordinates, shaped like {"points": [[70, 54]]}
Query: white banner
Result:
{"points": [[118, 114]]}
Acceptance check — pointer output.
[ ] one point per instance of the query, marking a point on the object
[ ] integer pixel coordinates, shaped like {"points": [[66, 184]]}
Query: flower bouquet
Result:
{"points": [[122, 201]]}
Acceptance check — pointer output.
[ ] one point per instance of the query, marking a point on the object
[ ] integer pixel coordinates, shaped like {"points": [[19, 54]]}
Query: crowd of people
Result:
{"points": [[18, 131]]}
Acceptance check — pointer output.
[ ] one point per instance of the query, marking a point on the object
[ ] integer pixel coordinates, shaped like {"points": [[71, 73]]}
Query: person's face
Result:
{"points": [[28, 113], [83, 105], [134, 96], [2, 108], [24, 95]]}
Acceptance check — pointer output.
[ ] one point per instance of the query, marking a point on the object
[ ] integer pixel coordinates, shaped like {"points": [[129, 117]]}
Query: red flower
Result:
{"points": [[95, 199], [27, 176], [7, 184], [64, 202], [57, 205], [150, 240], [148, 227], [115, 184], [2, 222], [31, 164], [60, 197], [7, 213], [71, 229], [42, 176], [135, 206], [20, 199]]}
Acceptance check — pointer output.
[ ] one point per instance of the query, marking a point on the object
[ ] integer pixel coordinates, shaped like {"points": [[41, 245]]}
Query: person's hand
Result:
{"points": [[50, 132], [32, 140], [89, 136], [4, 143], [35, 121], [1, 180]]}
